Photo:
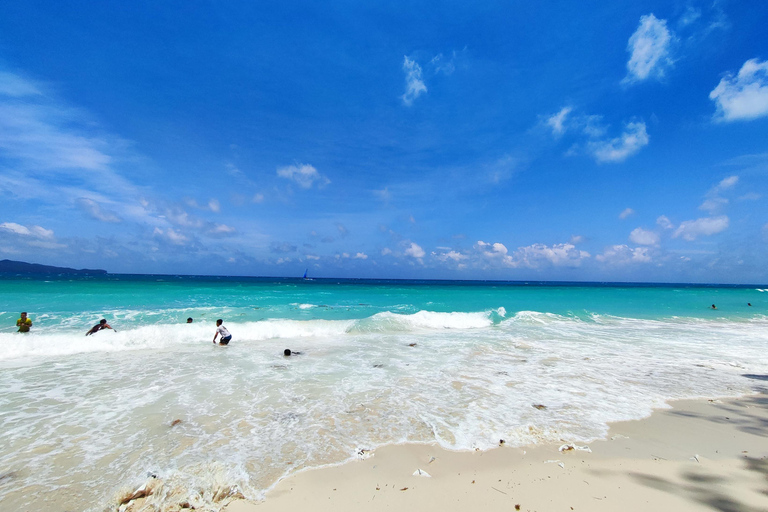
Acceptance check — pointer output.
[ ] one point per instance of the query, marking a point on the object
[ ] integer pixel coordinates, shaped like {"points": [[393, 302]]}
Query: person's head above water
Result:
{"points": [[189, 320], [287, 352], [219, 321], [103, 321]]}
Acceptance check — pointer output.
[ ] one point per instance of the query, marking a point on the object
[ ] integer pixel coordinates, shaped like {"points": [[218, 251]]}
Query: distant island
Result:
{"points": [[21, 267]]}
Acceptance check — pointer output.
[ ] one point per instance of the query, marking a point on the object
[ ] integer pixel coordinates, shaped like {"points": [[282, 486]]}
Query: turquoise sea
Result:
{"points": [[459, 364]]}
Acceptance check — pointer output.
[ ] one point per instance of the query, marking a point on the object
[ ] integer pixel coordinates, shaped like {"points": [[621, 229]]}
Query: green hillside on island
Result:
{"points": [[21, 267]]}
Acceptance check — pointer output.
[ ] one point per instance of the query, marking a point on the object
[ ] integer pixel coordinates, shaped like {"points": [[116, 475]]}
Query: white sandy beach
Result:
{"points": [[698, 455]]}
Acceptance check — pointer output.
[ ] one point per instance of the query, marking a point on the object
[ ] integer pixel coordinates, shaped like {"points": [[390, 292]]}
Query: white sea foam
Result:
{"points": [[94, 413]]}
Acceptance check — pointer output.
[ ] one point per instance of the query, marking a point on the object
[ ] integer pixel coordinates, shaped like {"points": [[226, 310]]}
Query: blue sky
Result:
{"points": [[507, 140]]}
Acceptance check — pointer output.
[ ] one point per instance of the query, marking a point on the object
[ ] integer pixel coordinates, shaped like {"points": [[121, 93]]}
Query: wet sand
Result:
{"points": [[700, 455]]}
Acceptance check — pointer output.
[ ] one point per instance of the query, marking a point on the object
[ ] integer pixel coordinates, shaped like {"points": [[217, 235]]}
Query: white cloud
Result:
{"points": [[171, 236], [385, 195], [312, 257], [744, 96], [32, 231], [713, 204], [690, 16], [557, 121], [626, 213], [258, 198], [95, 211], [442, 65], [221, 229], [303, 175], [179, 217], [664, 222], [576, 239], [642, 236], [623, 254], [618, 149], [496, 251], [16, 86], [361, 256], [450, 255], [414, 84], [727, 183], [385, 251], [691, 229], [214, 205], [558, 255], [415, 251], [649, 47]]}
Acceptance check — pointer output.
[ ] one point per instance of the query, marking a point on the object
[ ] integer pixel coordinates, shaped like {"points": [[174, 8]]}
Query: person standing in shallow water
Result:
{"points": [[221, 330], [24, 323]]}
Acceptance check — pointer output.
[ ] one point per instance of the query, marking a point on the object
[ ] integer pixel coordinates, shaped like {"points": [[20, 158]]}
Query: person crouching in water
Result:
{"points": [[220, 329]]}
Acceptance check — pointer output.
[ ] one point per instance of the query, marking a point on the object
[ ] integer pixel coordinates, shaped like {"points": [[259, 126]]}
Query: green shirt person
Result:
{"points": [[24, 323]]}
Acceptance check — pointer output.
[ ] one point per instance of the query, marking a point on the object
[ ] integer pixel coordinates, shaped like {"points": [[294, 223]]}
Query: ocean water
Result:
{"points": [[454, 363]]}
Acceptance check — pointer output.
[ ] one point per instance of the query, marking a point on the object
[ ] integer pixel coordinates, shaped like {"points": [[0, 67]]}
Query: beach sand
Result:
{"points": [[698, 455]]}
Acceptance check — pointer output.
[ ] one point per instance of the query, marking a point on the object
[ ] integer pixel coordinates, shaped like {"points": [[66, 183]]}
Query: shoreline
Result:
{"points": [[700, 454]]}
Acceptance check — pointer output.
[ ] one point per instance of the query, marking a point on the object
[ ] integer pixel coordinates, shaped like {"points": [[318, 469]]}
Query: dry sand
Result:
{"points": [[700, 455]]}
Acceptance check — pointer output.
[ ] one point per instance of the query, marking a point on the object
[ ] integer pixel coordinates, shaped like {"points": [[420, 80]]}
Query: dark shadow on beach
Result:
{"points": [[710, 489]]}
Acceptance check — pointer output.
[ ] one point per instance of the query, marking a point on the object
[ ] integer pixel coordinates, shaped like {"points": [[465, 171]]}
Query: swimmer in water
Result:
{"points": [[99, 326], [287, 352]]}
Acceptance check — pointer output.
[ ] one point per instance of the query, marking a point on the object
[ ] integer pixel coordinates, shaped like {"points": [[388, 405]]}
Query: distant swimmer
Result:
{"points": [[287, 352], [189, 320], [749, 303], [713, 306], [24, 323], [99, 326], [220, 329]]}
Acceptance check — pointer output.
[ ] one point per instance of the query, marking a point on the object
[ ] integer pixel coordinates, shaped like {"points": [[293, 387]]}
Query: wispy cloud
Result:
{"points": [[442, 64], [95, 211], [714, 202], [664, 223], [171, 235], [557, 121], [706, 226], [414, 83], [649, 49], [742, 97], [624, 255], [31, 231], [282, 247], [558, 255], [17, 86], [627, 212], [618, 149], [304, 175]]}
